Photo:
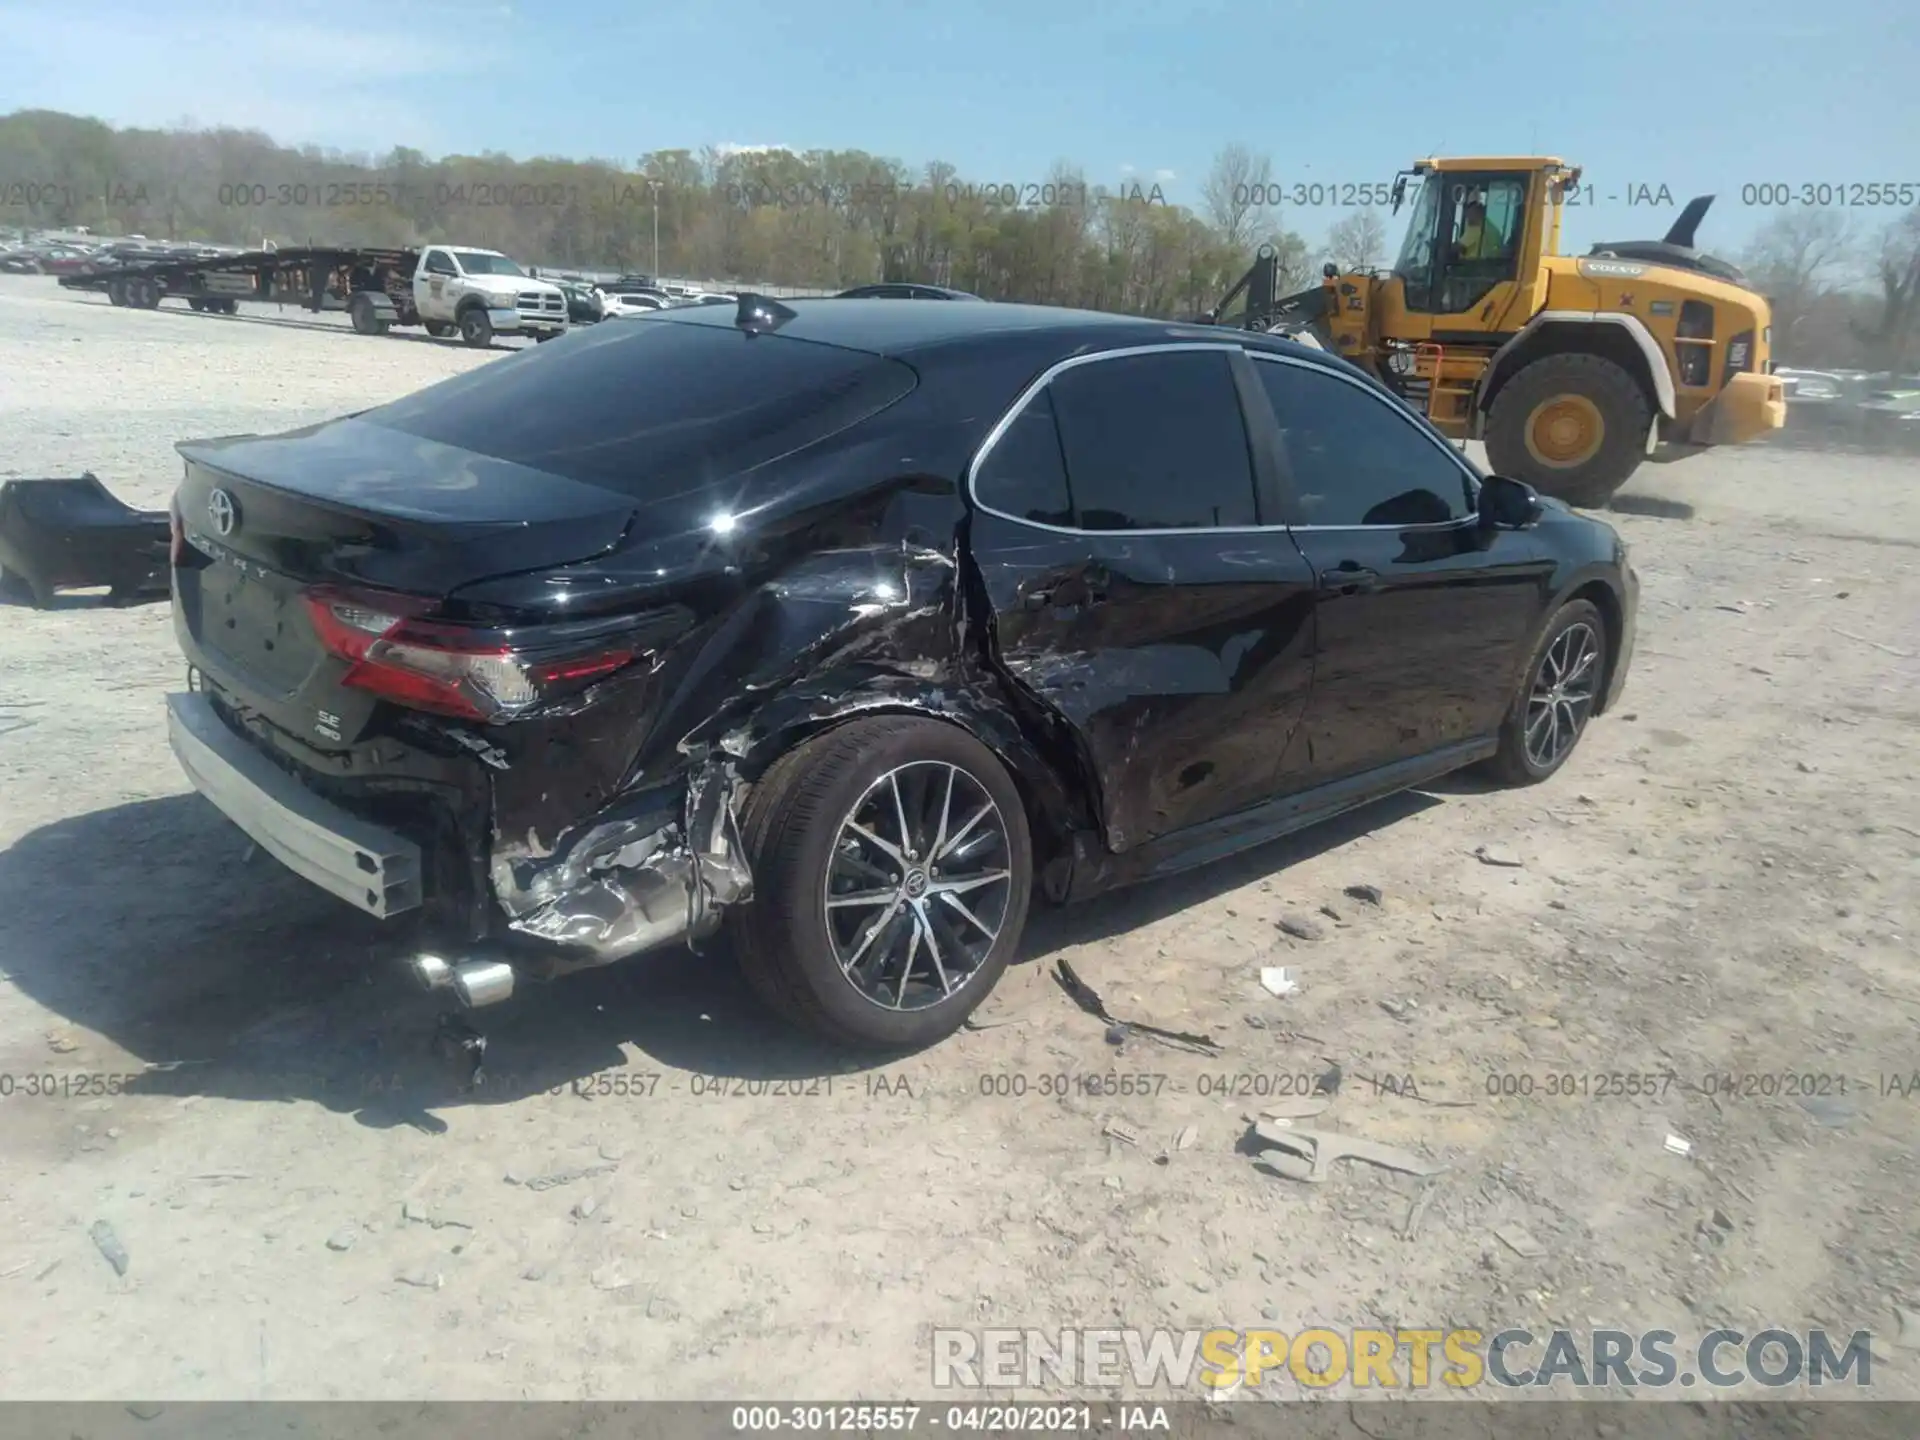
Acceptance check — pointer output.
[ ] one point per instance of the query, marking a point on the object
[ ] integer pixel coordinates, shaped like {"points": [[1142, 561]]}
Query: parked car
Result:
{"points": [[854, 627], [622, 304], [585, 304], [904, 292], [44, 260]]}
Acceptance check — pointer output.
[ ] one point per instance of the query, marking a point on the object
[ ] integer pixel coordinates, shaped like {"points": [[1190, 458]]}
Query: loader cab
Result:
{"points": [[1470, 263], [1464, 238]]}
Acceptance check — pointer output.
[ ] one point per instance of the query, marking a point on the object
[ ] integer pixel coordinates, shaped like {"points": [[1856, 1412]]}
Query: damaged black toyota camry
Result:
{"points": [[850, 626]]}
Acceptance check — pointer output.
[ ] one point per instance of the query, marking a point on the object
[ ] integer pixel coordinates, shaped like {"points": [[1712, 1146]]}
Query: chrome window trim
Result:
{"points": [[1440, 444]]}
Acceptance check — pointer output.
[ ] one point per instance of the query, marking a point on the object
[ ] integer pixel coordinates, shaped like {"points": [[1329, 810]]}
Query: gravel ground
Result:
{"points": [[1720, 886]]}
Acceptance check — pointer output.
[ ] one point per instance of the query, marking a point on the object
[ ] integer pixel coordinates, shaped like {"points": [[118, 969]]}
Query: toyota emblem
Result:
{"points": [[221, 511]]}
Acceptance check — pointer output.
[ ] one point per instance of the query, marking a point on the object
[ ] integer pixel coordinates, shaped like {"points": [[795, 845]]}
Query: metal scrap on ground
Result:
{"points": [[1088, 999]]}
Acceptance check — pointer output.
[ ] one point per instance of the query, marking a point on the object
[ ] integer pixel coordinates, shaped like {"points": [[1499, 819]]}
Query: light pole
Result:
{"points": [[654, 186]]}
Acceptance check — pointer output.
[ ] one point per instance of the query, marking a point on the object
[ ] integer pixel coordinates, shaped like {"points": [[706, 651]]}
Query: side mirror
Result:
{"points": [[1508, 504]]}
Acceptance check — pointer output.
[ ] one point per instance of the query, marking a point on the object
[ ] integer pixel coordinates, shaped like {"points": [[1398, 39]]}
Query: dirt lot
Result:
{"points": [[1720, 889]]}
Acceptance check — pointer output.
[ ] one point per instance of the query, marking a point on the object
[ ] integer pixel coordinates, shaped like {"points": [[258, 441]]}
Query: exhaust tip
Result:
{"points": [[431, 972], [482, 982]]}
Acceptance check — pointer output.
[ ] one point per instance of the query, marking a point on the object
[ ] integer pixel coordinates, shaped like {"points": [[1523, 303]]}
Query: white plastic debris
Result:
{"points": [[1278, 980], [1677, 1146]]}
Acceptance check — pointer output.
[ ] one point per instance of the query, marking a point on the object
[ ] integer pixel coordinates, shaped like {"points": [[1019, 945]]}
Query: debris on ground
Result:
{"points": [[1301, 927], [1186, 1138], [1278, 980], [343, 1238], [1329, 1082], [1519, 1239], [61, 1044], [1116, 1131], [567, 1177], [1321, 1148], [421, 1279], [585, 1208], [109, 1246], [1676, 1145], [1831, 1111], [1907, 1331], [1088, 999], [1296, 1107], [1498, 855], [1416, 1211], [1400, 1009], [1370, 894]]}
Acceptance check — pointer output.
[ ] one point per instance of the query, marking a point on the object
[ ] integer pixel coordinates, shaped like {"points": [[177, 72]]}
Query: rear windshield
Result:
{"points": [[662, 411]]}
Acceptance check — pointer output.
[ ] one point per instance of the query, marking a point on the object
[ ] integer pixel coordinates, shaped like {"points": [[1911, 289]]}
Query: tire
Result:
{"points": [[476, 329], [1519, 763], [1595, 411], [116, 292], [198, 306], [798, 845], [439, 329], [366, 320]]}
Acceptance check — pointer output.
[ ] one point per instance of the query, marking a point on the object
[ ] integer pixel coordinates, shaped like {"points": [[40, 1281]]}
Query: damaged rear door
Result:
{"points": [[1135, 590]]}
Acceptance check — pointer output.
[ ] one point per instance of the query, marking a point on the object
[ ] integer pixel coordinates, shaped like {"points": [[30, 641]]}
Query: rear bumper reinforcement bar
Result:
{"points": [[369, 866]]}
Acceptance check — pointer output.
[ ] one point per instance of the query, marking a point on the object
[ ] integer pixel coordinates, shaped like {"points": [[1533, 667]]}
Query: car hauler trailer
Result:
{"points": [[447, 289]]}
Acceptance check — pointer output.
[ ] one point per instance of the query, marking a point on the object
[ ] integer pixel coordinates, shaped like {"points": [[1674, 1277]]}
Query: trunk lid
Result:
{"points": [[349, 503]]}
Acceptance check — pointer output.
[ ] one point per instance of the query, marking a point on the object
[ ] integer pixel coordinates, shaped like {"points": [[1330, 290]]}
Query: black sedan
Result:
{"points": [[860, 625]]}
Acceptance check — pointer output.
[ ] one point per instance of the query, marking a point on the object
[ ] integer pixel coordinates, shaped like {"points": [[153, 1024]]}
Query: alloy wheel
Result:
{"points": [[1562, 695], [917, 885]]}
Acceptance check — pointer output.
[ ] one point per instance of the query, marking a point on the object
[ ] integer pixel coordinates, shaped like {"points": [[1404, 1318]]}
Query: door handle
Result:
{"points": [[1350, 580], [1036, 599]]}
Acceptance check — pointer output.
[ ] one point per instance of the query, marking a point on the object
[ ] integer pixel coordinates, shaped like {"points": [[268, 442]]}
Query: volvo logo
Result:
{"points": [[221, 511]]}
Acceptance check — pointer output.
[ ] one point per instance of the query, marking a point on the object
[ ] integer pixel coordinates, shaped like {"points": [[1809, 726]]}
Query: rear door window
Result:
{"points": [[1155, 442], [1023, 475], [667, 413]]}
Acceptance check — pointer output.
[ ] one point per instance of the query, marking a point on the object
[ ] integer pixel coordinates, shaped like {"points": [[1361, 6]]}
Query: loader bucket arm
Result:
{"points": [[1257, 285]]}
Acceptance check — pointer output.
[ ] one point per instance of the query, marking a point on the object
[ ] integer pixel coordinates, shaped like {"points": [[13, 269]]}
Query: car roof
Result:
{"points": [[887, 327]]}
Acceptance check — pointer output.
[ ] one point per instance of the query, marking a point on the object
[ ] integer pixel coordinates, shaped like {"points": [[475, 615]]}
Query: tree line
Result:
{"points": [[823, 219], [1845, 292]]}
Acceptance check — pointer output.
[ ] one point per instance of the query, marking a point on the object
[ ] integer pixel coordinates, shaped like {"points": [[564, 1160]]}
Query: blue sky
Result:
{"points": [[1696, 97]]}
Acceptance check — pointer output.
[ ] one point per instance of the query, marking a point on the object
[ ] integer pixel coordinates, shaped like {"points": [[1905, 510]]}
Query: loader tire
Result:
{"points": [[1573, 426]]}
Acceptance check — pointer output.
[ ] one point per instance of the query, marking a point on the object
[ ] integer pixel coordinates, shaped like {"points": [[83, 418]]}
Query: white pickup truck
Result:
{"points": [[458, 289]]}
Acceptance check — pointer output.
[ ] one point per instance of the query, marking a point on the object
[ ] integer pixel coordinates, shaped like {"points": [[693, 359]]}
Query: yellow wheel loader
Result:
{"points": [[1572, 369]]}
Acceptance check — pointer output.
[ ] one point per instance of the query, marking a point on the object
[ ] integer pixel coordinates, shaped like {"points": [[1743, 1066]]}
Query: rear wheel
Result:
{"points": [[892, 873], [1573, 426], [366, 319], [1557, 696], [476, 328], [116, 292]]}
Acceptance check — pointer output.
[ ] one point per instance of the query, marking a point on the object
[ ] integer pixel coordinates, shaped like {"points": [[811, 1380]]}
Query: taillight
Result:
{"points": [[451, 669]]}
